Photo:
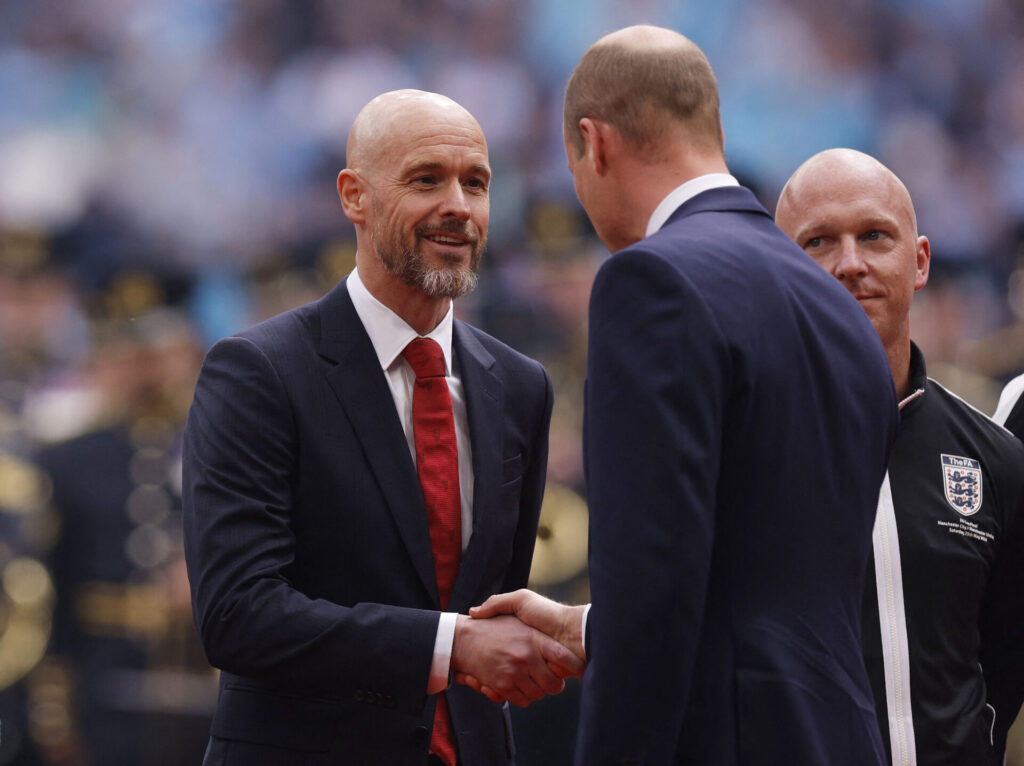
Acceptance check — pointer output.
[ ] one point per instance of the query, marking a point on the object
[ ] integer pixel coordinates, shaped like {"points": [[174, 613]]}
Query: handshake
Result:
{"points": [[518, 647]]}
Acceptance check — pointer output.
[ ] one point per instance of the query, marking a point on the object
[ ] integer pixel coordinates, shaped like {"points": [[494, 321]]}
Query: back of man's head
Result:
{"points": [[650, 84]]}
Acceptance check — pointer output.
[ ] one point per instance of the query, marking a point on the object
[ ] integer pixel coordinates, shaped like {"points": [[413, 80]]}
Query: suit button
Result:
{"points": [[420, 735]]}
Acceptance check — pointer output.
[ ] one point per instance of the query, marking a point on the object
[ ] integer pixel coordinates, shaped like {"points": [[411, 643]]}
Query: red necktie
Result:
{"points": [[437, 464]]}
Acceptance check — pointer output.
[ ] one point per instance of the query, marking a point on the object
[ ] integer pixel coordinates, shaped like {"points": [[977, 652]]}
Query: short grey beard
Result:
{"points": [[409, 266], [438, 283]]}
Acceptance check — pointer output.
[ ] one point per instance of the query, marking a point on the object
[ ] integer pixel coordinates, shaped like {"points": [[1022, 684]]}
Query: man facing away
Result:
{"points": [[738, 418], [359, 470], [943, 634]]}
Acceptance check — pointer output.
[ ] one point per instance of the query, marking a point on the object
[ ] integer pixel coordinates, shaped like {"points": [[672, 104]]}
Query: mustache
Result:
{"points": [[448, 227]]}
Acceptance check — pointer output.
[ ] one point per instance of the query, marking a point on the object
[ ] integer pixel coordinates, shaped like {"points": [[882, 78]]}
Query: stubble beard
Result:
{"points": [[409, 264]]}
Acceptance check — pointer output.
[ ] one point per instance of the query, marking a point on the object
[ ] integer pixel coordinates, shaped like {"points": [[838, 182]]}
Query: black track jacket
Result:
{"points": [[943, 625]]}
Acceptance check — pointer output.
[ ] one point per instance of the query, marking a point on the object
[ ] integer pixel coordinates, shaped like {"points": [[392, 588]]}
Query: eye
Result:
{"points": [[812, 243], [874, 235], [478, 184], [426, 180]]}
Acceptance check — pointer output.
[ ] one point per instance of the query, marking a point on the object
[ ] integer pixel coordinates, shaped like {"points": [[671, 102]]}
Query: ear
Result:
{"points": [[352, 192], [924, 259], [598, 143]]}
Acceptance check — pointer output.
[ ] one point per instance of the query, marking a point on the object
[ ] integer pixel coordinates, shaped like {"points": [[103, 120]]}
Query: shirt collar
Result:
{"points": [[388, 332], [682, 193]]}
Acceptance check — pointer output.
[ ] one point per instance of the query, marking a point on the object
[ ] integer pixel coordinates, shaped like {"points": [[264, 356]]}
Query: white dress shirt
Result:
{"points": [[389, 335]]}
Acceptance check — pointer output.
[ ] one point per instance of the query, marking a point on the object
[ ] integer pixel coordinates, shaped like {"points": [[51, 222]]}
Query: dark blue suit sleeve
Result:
{"points": [[657, 390], [240, 468]]}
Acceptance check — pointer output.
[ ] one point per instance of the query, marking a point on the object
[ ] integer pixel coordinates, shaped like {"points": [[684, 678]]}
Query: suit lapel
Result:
{"points": [[362, 390], [485, 396]]}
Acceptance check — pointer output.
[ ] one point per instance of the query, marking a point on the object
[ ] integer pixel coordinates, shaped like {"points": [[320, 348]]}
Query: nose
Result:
{"points": [[454, 203], [849, 263]]}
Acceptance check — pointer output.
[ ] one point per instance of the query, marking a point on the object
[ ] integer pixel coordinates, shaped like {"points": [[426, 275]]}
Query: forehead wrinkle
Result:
{"points": [[436, 147], [418, 166], [838, 211]]}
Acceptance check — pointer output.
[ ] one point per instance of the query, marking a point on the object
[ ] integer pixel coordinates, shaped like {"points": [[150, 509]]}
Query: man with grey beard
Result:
{"points": [[360, 470]]}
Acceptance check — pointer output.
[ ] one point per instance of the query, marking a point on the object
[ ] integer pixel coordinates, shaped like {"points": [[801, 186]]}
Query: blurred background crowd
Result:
{"points": [[167, 174]]}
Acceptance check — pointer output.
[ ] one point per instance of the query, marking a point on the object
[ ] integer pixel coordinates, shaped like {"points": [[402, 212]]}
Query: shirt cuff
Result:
{"points": [[441, 664], [583, 629]]}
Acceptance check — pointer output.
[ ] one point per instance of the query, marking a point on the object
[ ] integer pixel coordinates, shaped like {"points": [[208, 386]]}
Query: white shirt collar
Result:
{"points": [[388, 332], [682, 193]]}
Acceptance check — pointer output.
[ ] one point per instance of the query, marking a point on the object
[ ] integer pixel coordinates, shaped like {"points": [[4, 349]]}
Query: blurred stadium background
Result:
{"points": [[167, 177]]}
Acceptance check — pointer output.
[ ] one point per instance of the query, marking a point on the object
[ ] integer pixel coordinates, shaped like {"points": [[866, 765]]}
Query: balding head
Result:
{"points": [[416, 188], [389, 119], [852, 214], [649, 83]]}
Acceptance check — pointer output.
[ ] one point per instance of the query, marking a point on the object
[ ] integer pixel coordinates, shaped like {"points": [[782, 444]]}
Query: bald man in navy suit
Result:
{"points": [[308, 539]]}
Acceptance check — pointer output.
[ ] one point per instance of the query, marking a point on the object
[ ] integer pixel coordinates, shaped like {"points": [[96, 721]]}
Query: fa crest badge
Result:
{"points": [[962, 480]]}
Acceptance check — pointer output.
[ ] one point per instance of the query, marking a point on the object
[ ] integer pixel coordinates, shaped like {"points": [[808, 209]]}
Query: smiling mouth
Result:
{"points": [[446, 239]]}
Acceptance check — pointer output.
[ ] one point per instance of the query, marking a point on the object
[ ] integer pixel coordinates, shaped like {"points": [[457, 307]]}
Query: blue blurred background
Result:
{"points": [[167, 175]]}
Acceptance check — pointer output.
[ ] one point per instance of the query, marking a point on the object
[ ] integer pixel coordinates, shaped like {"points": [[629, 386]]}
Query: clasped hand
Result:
{"points": [[518, 647]]}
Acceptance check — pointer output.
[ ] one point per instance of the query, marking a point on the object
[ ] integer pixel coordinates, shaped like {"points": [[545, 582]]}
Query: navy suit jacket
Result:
{"points": [[738, 421], [308, 547]]}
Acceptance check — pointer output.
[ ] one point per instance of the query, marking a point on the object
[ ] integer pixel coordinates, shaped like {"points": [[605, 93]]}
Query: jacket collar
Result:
{"points": [[684, 192], [737, 199], [918, 379], [358, 382]]}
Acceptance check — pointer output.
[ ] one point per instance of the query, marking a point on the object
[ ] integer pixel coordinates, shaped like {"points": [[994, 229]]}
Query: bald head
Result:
{"points": [[416, 189], [839, 173], [853, 216], [389, 119], [648, 83]]}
